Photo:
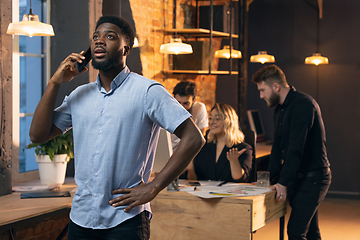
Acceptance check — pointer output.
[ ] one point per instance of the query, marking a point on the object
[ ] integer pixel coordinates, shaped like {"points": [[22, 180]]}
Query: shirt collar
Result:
{"points": [[288, 96], [117, 81]]}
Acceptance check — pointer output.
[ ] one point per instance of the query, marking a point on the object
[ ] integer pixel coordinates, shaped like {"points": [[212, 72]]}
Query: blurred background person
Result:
{"points": [[185, 93], [225, 156]]}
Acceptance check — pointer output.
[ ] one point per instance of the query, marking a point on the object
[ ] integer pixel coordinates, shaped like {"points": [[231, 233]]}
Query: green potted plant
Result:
{"points": [[52, 158]]}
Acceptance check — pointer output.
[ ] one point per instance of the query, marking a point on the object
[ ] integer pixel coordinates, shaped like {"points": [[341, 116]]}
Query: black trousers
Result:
{"points": [[136, 228], [305, 196]]}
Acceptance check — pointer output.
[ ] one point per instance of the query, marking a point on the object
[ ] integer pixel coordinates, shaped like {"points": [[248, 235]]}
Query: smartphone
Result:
{"points": [[81, 66], [195, 184]]}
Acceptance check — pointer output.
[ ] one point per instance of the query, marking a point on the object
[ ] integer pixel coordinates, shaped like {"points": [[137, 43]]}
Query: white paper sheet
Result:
{"points": [[210, 189]]}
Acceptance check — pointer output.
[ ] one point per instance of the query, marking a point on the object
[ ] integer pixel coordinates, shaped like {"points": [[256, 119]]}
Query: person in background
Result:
{"points": [[225, 156], [116, 122], [298, 165], [185, 93]]}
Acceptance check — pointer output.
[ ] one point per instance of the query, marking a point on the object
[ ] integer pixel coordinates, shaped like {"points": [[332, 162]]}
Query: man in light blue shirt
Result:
{"points": [[116, 122]]}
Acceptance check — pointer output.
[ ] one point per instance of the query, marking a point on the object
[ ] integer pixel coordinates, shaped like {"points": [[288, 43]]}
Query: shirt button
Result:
{"points": [[94, 195]]}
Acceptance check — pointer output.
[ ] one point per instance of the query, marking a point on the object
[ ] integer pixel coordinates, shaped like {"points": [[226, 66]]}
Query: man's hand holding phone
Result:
{"points": [[69, 68], [80, 66]]}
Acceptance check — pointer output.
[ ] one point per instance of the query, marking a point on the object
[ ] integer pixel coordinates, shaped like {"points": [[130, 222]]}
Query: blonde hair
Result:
{"points": [[233, 134]]}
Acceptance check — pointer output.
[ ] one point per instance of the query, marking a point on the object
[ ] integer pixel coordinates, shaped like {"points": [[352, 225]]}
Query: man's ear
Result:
{"points": [[126, 50], [276, 87]]}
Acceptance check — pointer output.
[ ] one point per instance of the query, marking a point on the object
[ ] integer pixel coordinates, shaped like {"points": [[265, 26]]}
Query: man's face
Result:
{"points": [[185, 101], [108, 47], [267, 93]]}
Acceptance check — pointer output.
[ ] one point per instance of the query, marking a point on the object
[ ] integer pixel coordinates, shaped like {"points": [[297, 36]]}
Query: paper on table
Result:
{"points": [[31, 188], [226, 190]]}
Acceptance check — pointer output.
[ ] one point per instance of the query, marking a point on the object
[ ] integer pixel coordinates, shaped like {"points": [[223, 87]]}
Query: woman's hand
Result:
{"points": [[233, 154]]}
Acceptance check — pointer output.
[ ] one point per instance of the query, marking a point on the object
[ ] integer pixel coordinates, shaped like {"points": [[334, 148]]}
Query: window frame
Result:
{"points": [[29, 175]]}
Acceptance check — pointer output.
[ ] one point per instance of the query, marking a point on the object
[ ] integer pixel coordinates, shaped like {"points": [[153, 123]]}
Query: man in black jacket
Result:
{"points": [[299, 167]]}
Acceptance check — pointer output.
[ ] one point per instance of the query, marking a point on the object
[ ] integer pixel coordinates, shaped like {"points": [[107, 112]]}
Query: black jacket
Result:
{"points": [[299, 142]]}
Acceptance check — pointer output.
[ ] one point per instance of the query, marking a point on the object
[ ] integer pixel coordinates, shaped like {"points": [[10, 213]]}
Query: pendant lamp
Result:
{"points": [[316, 58], [30, 26], [225, 53], [176, 46], [262, 57]]}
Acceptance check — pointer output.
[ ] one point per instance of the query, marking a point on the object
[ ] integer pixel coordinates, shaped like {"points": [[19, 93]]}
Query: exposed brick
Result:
{"points": [[151, 18]]}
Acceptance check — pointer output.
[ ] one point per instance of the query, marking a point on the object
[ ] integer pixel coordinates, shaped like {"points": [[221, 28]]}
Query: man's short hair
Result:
{"points": [[185, 88], [125, 28], [270, 74]]}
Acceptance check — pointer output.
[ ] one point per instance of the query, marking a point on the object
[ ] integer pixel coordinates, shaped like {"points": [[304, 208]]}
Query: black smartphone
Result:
{"points": [[81, 66], [195, 184]]}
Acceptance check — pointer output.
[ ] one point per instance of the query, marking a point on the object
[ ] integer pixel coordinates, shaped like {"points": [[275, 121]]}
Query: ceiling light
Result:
{"points": [[316, 59], [176, 47], [30, 26], [225, 53], [262, 57]]}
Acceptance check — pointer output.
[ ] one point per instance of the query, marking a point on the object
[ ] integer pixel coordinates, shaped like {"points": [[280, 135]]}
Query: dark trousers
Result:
{"points": [[136, 228], [305, 196]]}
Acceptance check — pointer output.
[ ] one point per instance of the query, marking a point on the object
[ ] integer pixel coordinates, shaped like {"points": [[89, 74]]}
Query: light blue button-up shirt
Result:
{"points": [[115, 137]]}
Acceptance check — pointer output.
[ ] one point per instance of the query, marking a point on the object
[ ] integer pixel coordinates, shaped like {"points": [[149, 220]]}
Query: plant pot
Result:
{"points": [[52, 172]]}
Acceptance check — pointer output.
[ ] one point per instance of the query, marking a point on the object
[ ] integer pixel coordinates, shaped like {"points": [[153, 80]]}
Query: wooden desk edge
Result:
{"points": [[30, 218], [38, 212]]}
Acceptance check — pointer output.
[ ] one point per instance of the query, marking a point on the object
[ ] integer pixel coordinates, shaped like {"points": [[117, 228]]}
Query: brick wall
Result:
{"points": [[5, 99], [151, 18]]}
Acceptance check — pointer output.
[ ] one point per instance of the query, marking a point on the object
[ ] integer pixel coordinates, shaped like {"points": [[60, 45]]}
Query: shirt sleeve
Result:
{"points": [[245, 160], [163, 109], [62, 116], [275, 163]]}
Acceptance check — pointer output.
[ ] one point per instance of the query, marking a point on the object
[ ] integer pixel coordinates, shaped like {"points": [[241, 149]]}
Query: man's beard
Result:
{"points": [[109, 63], [273, 100]]}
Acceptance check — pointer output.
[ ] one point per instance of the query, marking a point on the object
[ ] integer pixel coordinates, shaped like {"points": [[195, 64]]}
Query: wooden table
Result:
{"points": [[180, 215], [14, 210]]}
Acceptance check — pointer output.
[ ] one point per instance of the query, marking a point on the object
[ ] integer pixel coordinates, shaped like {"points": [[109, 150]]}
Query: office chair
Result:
{"points": [[250, 139]]}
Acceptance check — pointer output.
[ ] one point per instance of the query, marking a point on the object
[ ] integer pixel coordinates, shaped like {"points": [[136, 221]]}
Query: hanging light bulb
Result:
{"points": [[225, 53], [316, 59], [30, 26], [262, 57], [176, 46]]}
